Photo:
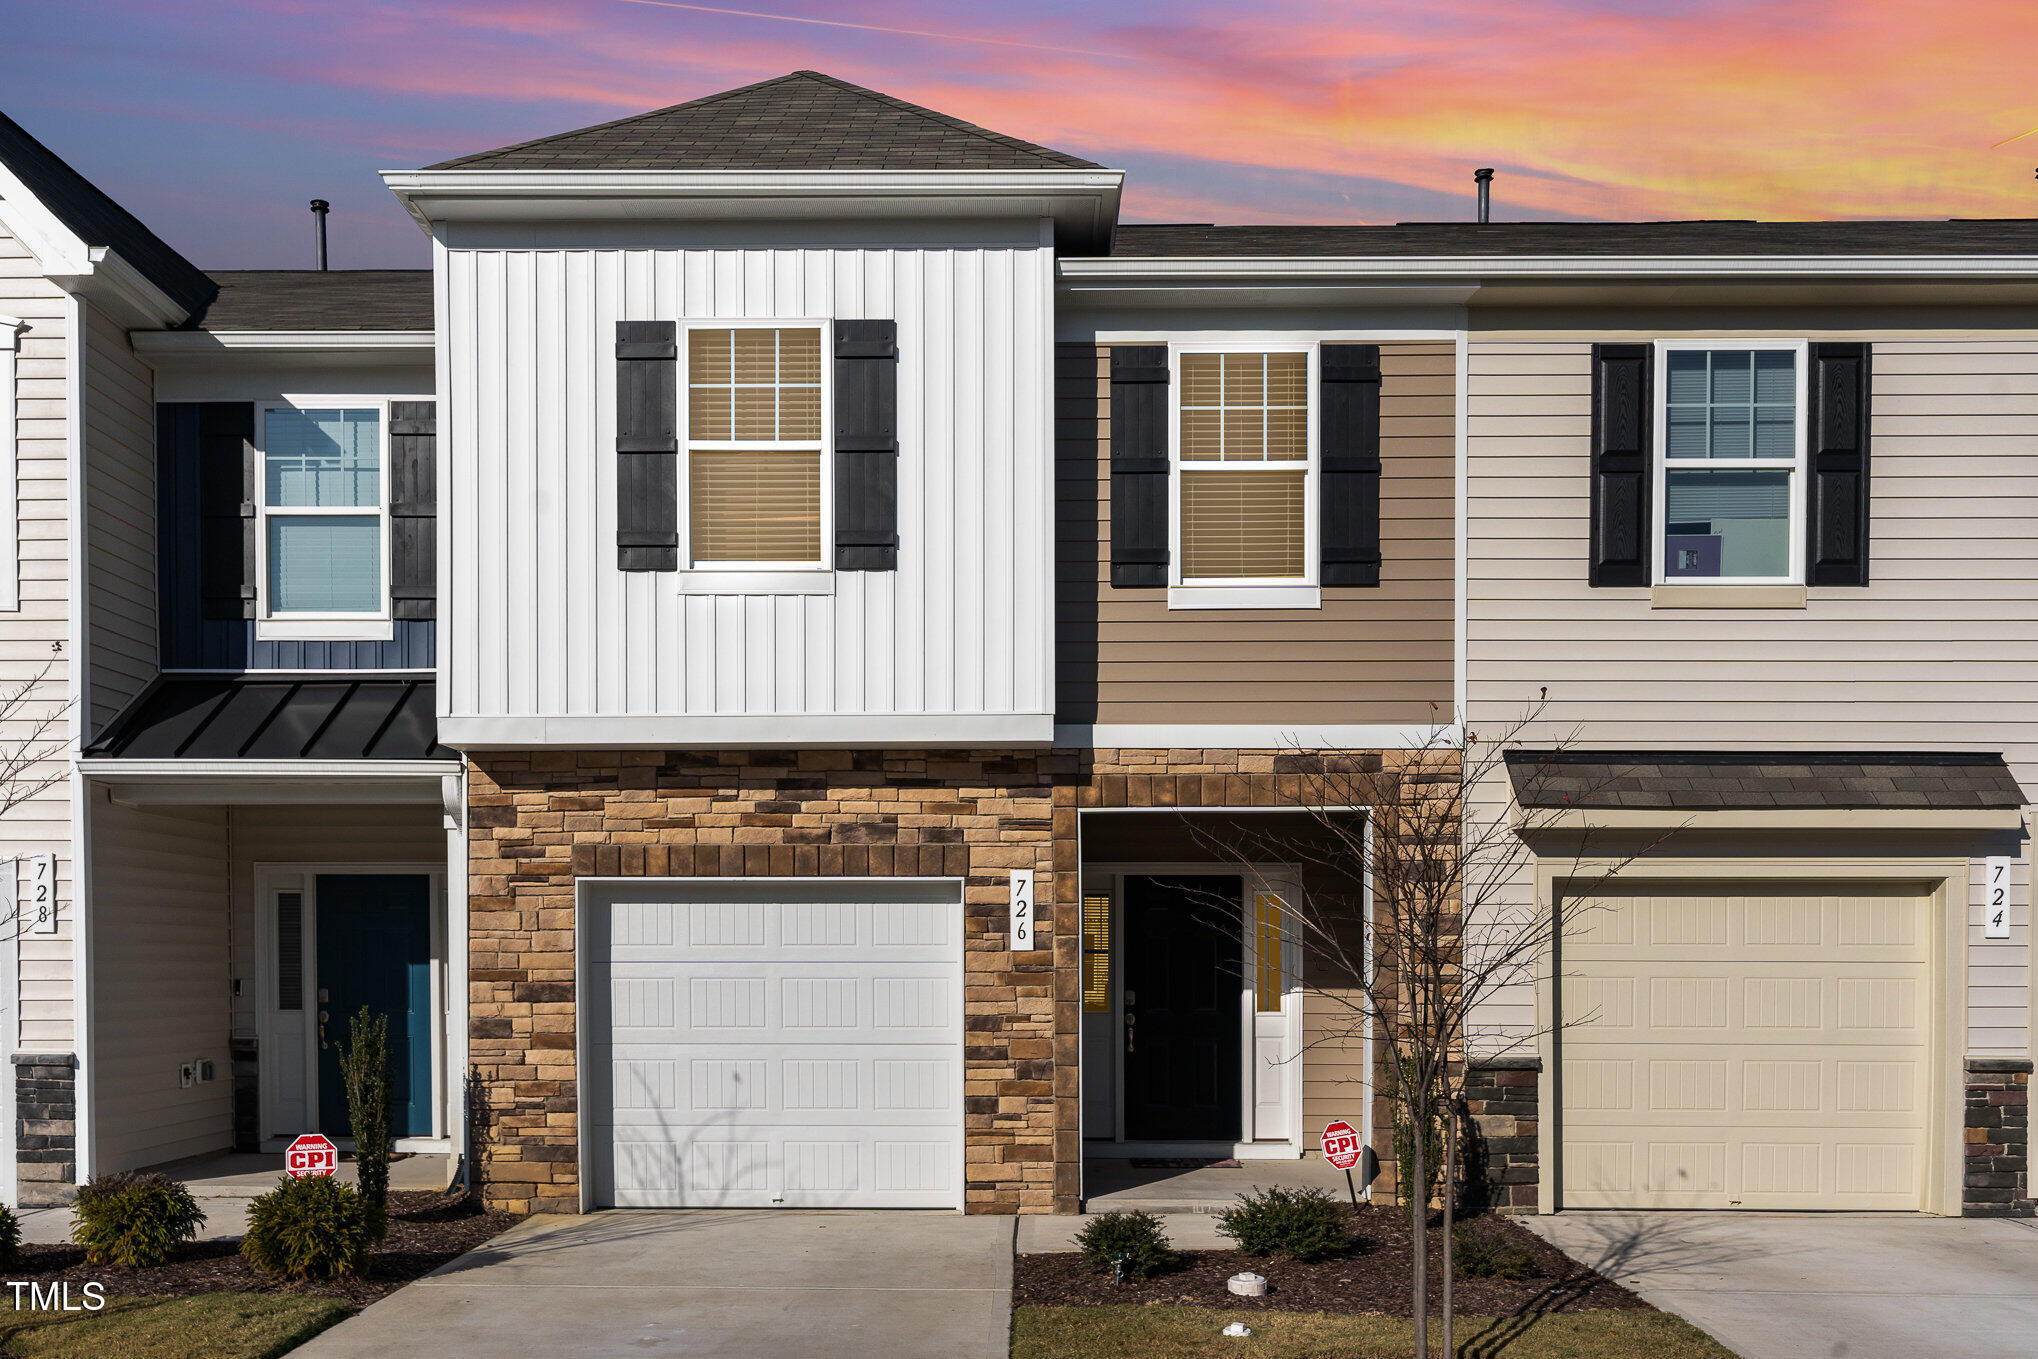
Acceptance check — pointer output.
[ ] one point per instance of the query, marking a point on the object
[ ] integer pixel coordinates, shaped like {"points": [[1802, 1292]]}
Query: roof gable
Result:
{"points": [[97, 220], [802, 121]]}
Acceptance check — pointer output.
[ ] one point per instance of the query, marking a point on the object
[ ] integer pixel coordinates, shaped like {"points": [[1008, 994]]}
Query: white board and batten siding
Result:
{"points": [[1938, 652], [762, 1044], [543, 626]]}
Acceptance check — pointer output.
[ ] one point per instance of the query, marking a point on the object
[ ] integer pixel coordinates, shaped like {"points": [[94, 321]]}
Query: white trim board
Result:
{"points": [[763, 730], [1253, 736]]}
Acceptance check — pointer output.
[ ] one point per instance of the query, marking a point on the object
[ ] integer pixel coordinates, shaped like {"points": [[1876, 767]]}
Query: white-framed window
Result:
{"points": [[322, 519], [1730, 464], [1242, 484], [757, 480]]}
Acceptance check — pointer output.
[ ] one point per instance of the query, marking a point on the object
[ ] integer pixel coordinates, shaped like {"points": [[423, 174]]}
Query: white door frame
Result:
{"points": [[266, 886], [1282, 880]]}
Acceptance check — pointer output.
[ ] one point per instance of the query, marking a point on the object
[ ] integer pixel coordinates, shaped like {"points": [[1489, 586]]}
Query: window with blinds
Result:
{"points": [[290, 950], [1243, 450], [322, 509], [1268, 982], [754, 471], [1096, 954]]}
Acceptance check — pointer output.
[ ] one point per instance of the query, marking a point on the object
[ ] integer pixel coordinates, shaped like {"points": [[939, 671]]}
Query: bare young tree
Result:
{"points": [[32, 748], [1398, 852]]}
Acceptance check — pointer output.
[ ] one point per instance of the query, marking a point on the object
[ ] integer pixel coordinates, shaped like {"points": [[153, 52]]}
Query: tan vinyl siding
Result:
{"points": [[160, 983], [1367, 656], [120, 518], [1938, 652], [27, 635]]}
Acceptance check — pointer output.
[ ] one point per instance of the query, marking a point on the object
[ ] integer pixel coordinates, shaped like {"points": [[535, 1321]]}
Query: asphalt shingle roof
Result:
{"points": [[802, 121], [1713, 780], [97, 220], [246, 717], [320, 299], [2007, 236]]}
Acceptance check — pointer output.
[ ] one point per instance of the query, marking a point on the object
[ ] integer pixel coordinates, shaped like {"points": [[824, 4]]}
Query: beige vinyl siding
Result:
{"points": [[41, 825], [1938, 652], [160, 985], [344, 834], [1334, 1083], [1379, 655], [120, 518]]}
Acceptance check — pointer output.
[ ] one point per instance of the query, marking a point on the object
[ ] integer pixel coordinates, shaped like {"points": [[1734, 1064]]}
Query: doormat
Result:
{"points": [[1183, 1163]]}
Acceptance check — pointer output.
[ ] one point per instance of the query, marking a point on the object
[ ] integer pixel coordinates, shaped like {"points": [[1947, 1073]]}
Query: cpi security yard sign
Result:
{"points": [[312, 1154]]}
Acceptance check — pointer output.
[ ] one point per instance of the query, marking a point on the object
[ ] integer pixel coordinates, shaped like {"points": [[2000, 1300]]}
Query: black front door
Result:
{"points": [[1183, 979]]}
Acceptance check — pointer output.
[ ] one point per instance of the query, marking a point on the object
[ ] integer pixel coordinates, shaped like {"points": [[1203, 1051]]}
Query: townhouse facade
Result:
{"points": [[751, 659]]}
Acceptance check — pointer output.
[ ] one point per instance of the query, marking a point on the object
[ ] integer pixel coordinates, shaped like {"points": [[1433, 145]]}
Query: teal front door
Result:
{"points": [[375, 949]]}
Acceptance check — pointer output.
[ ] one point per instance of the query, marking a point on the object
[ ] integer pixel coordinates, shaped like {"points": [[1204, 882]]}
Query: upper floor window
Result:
{"points": [[1730, 491], [323, 506], [756, 475], [1244, 456]]}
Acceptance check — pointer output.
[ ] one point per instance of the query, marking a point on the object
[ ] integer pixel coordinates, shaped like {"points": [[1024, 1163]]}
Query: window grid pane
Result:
{"points": [[754, 385], [328, 563], [1243, 525], [755, 507], [322, 458], [1730, 403], [1244, 407]]}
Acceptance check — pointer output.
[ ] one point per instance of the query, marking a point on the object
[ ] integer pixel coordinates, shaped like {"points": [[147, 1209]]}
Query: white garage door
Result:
{"points": [[1746, 1047], [751, 1045]]}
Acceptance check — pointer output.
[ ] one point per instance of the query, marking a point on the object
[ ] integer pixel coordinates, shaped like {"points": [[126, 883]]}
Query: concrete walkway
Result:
{"points": [[1111, 1184], [737, 1283], [1830, 1286]]}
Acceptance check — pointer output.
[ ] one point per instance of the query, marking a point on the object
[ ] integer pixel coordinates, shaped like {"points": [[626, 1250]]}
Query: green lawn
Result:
{"points": [[1159, 1332], [209, 1326]]}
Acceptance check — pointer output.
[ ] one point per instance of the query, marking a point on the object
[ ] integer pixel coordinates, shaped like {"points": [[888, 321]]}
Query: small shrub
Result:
{"points": [[1302, 1224], [313, 1227], [1137, 1237], [133, 1220], [364, 1066], [1482, 1254], [10, 1239]]}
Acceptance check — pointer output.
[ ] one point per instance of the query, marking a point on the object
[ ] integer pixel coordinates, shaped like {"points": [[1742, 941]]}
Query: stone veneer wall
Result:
{"points": [[46, 1127], [1500, 1105], [539, 820], [1997, 1182]]}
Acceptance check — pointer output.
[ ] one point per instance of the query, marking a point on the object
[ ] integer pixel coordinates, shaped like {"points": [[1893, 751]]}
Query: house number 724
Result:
{"points": [[1996, 899]]}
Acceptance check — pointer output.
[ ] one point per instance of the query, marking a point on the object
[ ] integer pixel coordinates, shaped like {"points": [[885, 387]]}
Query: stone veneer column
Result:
{"points": [[46, 1127], [1502, 1103], [1997, 1182]]}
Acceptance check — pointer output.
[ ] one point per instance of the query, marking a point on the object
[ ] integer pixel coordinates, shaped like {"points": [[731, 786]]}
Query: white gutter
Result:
{"points": [[1121, 271], [279, 341], [107, 768]]}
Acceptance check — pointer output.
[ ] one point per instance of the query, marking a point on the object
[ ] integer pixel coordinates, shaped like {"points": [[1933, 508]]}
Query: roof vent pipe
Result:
{"points": [[319, 207], [1484, 179]]}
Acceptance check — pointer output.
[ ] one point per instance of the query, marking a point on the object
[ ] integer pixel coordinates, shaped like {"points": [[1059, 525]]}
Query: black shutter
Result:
{"points": [[647, 446], [1348, 441], [1623, 387], [227, 491], [866, 445], [1836, 507], [413, 508], [1139, 465]]}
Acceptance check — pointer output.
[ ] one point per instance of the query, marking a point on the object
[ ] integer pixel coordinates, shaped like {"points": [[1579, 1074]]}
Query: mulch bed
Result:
{"points": [[1372, 1278], [425, 1231]]}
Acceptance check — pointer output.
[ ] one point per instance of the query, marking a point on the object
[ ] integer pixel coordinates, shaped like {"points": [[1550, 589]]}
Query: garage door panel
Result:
{"points": [[803, 1051], [1785, 1067]]}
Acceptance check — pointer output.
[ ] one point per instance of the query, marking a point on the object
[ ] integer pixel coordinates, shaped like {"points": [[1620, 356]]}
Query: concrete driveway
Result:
{"points": [[635, 1282], [1830, 1286]]}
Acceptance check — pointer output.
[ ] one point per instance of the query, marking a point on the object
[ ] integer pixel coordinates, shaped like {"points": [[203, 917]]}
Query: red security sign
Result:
{"points": [[1341, 1145], [315, 1154]]}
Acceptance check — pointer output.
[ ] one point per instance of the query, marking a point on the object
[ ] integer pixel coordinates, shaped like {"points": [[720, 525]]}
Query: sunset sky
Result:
{"points": [[215, 120]]}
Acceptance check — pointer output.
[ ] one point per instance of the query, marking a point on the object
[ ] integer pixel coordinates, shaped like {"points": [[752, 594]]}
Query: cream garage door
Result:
{"points": [[756, 1045], [1746, 1046]]}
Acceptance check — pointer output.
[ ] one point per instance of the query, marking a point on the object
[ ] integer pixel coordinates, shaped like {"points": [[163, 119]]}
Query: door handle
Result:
{"points": [[1129, 1020], [322, 1017]]}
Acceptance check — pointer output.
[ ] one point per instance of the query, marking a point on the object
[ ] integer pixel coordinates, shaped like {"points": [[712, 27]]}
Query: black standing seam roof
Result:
{"points": [[97, 220], [1717, 780], [250, 717]]}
